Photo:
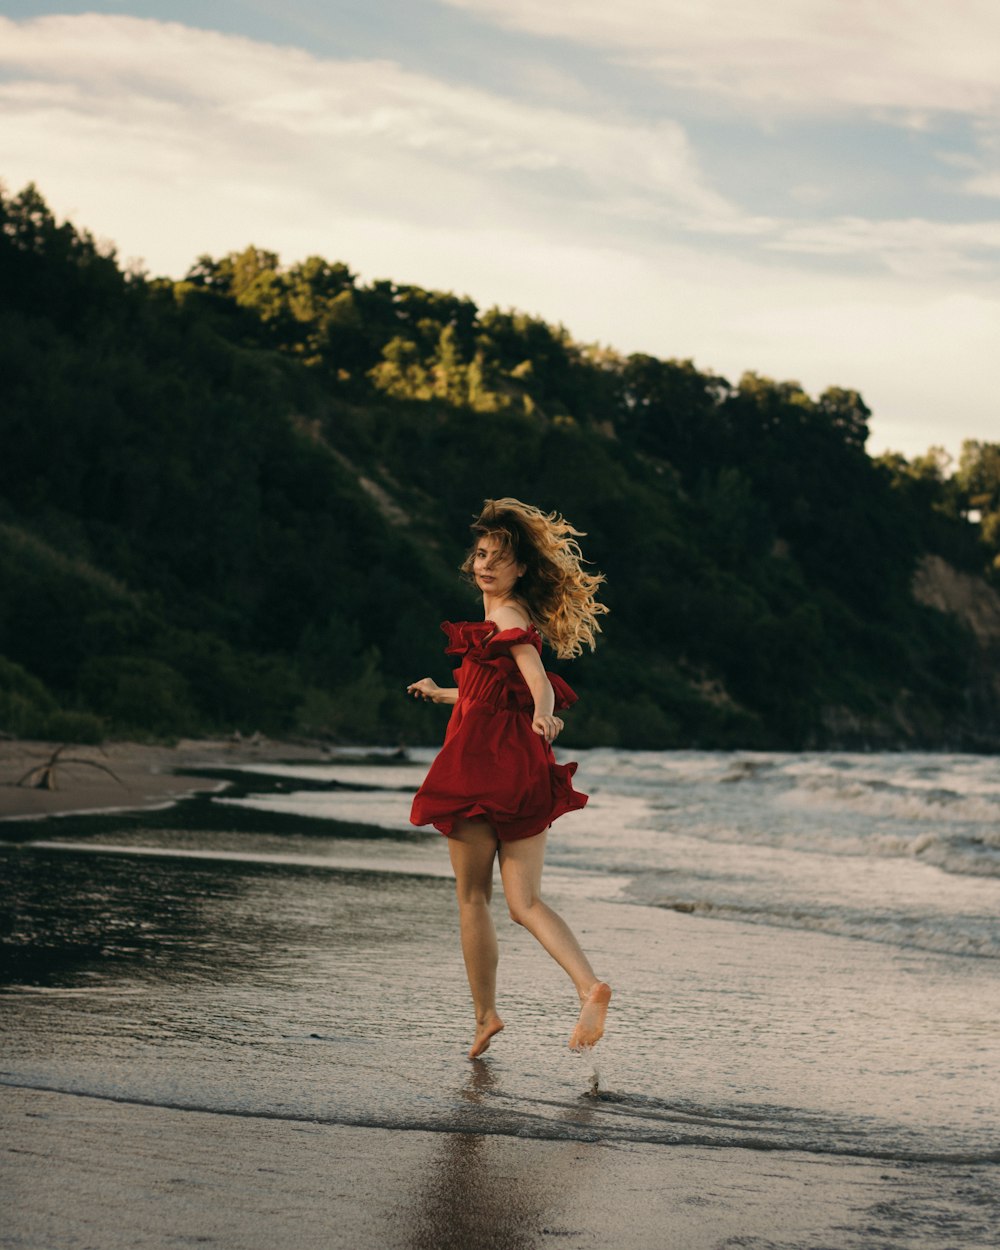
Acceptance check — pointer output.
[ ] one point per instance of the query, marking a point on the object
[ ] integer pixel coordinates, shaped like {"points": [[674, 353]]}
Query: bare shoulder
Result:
{"points": [[509, 617]]}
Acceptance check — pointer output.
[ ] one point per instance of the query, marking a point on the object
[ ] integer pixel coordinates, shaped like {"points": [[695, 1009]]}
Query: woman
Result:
{"points": [[495, 787]]}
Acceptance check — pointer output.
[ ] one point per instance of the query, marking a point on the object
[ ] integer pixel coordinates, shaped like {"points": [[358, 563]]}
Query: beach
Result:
{"points": [[120, 1176], [242, 1020], [121, 774]]}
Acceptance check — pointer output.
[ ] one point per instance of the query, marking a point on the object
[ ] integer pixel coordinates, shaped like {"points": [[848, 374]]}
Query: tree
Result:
{"points": [[670, 409], [978, 477], [847, 414]]}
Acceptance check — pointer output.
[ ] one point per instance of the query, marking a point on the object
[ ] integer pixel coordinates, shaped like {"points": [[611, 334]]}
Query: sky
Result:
{"points": [[809, 189]]}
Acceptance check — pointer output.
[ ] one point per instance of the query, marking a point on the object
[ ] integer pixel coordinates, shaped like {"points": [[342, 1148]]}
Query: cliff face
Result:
{"points": [[936, 584], [909, 722]]}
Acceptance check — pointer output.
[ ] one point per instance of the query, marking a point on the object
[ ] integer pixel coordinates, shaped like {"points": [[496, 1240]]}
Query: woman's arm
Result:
{"points": [[544, 722], [428, 690]]}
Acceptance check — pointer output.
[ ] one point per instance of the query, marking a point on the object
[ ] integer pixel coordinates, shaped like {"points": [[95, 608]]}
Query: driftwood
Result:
{"points": [[45, 776]]}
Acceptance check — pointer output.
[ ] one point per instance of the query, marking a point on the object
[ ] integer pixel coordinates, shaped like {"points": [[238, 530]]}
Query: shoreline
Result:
{"points": [[246, 1183], [147, 776], [247, 1052], [150, 776]]}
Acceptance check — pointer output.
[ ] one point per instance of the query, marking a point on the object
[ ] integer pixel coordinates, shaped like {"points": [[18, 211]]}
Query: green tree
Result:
{"points": [[978, 478]]}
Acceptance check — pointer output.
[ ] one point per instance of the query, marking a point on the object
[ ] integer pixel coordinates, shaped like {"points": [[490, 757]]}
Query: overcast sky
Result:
{"points": [[806, 188]]}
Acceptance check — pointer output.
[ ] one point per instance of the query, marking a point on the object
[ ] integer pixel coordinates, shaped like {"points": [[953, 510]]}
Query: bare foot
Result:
{"points": [[484, 1032], [590, 1027]]}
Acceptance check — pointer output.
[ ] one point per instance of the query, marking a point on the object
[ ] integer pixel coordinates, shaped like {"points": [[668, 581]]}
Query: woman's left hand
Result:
{"points": [[426, 688], [547, 727]]}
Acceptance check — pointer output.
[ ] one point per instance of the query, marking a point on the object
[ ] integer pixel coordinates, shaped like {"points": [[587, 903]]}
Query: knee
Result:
{"points": [[473, 897], [520, 909]]}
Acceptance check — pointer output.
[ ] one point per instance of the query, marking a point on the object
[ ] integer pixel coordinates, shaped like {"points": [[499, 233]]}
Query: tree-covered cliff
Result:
{"points": [[239, 501]]}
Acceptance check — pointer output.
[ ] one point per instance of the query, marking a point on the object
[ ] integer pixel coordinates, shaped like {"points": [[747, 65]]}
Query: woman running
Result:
{"points": [[495, 786]]}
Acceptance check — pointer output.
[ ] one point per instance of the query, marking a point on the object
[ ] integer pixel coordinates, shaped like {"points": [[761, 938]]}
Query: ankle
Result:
{"points": [[591, 986]]}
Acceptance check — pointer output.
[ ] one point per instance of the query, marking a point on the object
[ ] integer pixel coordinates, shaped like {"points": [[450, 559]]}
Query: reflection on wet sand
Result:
{"points": [[464, 1201], [69, 917], [473, 1197]]}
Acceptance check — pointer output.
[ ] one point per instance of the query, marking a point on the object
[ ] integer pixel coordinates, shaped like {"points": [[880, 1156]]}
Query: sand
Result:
{"points": [[85, 1173], [143, 775]]}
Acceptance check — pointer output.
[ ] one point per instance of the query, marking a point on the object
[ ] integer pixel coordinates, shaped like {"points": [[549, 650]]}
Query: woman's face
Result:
{"points": [[496, 573]]}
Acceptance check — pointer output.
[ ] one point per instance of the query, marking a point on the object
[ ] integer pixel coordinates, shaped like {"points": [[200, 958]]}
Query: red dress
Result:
{"points": [[493, 764]]}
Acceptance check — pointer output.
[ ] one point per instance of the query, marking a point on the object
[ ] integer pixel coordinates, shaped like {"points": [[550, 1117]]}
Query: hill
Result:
{"points": [[239, 500]]}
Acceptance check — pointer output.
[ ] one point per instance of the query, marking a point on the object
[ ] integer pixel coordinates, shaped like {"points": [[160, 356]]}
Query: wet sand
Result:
{"points": [[143, 775], [83, 1172], [226, 1022]]}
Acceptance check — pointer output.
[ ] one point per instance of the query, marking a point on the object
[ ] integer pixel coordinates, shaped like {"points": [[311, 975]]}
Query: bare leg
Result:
{"points": [[473, 847], [521, 865]]}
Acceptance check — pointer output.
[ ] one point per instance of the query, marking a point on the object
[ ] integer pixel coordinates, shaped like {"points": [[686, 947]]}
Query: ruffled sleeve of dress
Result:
{"points": [[501, 642], [566, 696], [463, 636], [495, 654]]}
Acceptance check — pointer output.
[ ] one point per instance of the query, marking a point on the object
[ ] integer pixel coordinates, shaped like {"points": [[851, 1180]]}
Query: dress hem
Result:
{"points": [[444, 826]]}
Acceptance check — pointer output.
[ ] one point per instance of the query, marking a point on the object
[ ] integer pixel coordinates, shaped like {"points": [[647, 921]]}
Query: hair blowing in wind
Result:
{"points": [[557, 591]]}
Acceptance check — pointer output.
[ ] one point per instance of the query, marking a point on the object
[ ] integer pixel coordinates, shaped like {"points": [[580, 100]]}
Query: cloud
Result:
{"points": [[161, 105], [369, 128], [987, 184], [914, 247], [175, 141], [982, 167], [906, 56]]}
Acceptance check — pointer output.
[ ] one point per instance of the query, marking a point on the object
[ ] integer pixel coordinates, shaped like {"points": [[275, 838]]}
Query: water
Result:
{"points": [[804, 950]]}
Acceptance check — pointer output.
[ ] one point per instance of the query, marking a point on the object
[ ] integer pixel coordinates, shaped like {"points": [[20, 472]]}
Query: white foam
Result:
{"points": [[904, 931], [400, 859], [875, 847], [388, 776], [386, 809], [911, 803]]}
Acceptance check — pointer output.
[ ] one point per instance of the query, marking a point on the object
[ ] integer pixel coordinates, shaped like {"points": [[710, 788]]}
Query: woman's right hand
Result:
{"points": [[426, 688]]}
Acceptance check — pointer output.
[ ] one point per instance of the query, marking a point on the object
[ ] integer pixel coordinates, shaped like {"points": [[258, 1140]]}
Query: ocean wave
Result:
{"points": [[946, 934], [939, 811], [884, 799], [963, 774], [597, 1116], [966, 855]]}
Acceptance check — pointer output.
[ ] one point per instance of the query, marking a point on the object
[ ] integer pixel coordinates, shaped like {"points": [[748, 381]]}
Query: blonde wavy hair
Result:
{"points": [[557, 593]]}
